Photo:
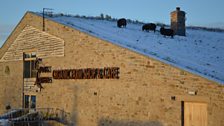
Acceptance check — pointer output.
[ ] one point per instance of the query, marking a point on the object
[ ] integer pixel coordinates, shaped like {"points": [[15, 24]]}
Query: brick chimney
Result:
{"points": [[178, 22]]}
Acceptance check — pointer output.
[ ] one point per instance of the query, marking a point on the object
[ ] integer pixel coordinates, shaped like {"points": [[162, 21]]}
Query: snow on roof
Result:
{"points": [[200, 52]]}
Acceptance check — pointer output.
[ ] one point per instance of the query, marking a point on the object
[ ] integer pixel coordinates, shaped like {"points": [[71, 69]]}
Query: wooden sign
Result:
{"points": [[88, 73], [45, 69], [44, 80]]}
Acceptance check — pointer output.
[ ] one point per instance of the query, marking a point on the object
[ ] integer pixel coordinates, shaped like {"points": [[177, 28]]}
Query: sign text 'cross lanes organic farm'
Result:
{"points": [[87, 73]]}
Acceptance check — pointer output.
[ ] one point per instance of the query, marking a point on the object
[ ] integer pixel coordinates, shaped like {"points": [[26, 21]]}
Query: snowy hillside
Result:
{"points": [[200, 52]]}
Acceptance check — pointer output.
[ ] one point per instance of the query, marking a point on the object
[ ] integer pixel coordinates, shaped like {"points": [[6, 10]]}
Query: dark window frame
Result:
{"points": [[29, 65], [26, 101]]}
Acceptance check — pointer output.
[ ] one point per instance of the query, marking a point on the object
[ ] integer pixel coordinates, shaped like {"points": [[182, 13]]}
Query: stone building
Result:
{"points": [[99, 83], [178, 22]]}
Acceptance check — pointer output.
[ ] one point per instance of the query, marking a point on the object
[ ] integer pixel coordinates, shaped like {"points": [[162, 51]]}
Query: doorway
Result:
{"points": [[194, 114]]}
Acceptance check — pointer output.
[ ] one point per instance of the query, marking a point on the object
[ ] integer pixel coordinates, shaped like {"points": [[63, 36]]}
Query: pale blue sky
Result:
{"points": [[199, 12]]}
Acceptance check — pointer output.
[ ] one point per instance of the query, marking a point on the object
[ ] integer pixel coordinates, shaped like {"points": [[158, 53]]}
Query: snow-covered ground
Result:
{"points": [[200, 52]]}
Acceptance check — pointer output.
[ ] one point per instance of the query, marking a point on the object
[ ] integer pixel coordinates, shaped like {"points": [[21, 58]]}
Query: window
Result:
{"points": [[26, 102], [29, 65], [33, 101], [29, 55], [29, 69], [30, 101]]}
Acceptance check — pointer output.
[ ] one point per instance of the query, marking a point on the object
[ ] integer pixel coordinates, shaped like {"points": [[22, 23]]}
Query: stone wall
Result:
{"points": [[31, 39], [11, 77], [142, 95]]}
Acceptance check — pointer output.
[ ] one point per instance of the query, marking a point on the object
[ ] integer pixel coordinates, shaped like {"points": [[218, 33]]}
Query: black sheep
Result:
{"points": [[149, 26], [166, 32], [121, 23]]}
